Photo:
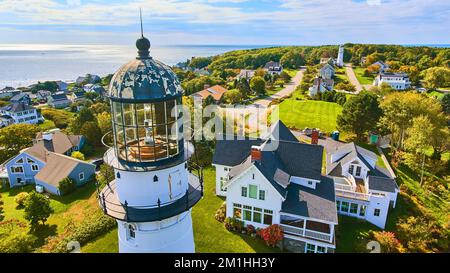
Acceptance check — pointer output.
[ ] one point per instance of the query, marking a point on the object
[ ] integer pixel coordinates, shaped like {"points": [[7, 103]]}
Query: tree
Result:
{"points": [[293, 59], [105, 175], [233, 96], [66, 186], [77, 155], [436, 77], [360, 114], [84, 116], [92, 132], [260, 72], [104, 122], [244, 88], [388, 242], [258, 85], [15, 238], [285, 77], [421, 135], [416, 233], [385, 88], [15, 138], [37, 209], [446, 103], [400, 108], [200, 62], [373, 69]]}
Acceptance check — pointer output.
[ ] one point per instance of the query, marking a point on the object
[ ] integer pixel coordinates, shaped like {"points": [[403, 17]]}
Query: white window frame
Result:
{"points": [[375, 212], [35, 167], [13, 169], [315, 248], [129, 232], [81, 176]]}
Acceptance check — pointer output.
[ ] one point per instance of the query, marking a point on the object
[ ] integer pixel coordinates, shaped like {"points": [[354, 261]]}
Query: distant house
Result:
{"points": [[246, 74], [202, 72], [6, 120], [58, 100], [94, 88], [363, 189], [77, 95], [327, 72], [216, 92], [8, 92], [273, 68], [21, 113], [383, 66], [42, 95], [21, 98], [398, 81], [46, 163], [321, 85], [88, 78], [62, 86], [363, 61]]}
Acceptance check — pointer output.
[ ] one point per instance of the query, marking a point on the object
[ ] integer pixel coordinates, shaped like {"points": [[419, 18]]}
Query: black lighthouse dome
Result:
{"points": [[146, 106], [144, 79]]}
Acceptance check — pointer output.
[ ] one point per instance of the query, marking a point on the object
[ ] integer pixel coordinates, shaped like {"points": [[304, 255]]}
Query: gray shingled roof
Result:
{"points": [[318, 203], [350, 151], [378, 183], [17, 107]]}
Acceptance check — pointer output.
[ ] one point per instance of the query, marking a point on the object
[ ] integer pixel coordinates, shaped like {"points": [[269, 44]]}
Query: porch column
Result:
{"points": [[304, 227], [331, 233]]}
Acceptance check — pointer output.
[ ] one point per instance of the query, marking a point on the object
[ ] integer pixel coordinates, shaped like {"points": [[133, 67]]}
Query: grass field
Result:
{"points": [[210, 235], [363, 80], [436, 94], [314, 114]]}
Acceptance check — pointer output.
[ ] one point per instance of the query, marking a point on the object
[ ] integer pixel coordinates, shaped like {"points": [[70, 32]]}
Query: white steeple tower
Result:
{"points": [[340, 58], [153, 191]]}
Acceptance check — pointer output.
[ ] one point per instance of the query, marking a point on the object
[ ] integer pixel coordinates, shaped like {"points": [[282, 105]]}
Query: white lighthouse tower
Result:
{"points": [[340, 58], [153, 191]]}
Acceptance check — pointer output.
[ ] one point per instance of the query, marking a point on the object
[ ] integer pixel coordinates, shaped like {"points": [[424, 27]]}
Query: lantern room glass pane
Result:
{"points": [[117, 112], [159, 115], [171, 111], [128, 114]]}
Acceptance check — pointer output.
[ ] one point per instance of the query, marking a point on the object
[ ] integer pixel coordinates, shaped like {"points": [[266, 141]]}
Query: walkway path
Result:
{"points": [[352, 78]]}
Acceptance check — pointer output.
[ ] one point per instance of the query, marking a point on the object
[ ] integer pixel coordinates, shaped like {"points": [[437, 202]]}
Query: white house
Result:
{"points": [[398, 81], [21, 113], [363, 189], [321, 85], [383, 66], [327, 71], [273, 68], [284, 186]]}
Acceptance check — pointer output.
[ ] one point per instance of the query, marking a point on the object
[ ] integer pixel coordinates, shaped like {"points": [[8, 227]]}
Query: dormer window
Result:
{"points": [[155, 178]]}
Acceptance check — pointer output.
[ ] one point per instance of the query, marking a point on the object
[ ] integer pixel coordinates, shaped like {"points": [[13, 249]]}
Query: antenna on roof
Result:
{"points": [[142, 27]]}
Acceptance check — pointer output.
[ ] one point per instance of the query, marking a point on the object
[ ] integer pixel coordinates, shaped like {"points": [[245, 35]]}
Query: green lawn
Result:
{"points": [[274, 90], [210, 236], [47, 125], [436, 94], [299, 114], [363, 80], [291, 72], [352, 235], [340, 76]]}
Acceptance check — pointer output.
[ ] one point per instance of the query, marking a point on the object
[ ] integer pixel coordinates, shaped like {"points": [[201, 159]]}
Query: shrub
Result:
{"points": [[66, 186], [14, 237], [77, 155], [90, 228], [221, 213], [250, 229], [388, 242], [272, 235], [233, 224], [20, 199]]}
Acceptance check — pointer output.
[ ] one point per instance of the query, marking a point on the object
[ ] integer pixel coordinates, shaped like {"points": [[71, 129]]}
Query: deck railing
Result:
{"points": [[307, 233]]}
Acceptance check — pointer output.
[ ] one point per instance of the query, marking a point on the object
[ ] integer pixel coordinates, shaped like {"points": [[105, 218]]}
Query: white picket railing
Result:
{"points": [[307, 233]]}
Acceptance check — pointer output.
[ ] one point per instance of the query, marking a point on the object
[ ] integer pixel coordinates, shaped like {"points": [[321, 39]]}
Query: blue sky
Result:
{"points": [[249, 22]]}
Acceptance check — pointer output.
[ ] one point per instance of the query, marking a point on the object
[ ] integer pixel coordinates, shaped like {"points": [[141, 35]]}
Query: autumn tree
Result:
{"points": [[436, 77], [258, 85], [232, 96], [15, 138], [360, 114]]}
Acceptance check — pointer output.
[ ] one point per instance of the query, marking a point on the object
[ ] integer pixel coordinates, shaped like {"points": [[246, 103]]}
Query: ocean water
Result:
{"points": [[25, 64]]}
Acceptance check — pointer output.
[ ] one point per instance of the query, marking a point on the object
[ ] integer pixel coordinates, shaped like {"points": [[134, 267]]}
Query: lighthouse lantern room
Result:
{"points": [[153, 191]]}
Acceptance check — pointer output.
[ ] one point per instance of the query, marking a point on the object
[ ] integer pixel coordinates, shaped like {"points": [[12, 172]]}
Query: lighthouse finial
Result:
{"points": [[142, 27]]}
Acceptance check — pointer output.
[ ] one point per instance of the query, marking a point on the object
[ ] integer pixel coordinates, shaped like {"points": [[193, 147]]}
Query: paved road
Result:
{"points": [[352, 78], [286, 91]]}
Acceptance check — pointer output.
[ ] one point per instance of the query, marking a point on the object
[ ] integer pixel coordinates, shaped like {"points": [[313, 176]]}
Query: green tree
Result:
{"points": [[285, 77], [244, 87], [15, 138], [105, 175], [15, 238], [233, 96], [66, 186], [446, 103], [258, 85], [92, 132], [360, 114], [84, 116], [37, 209], [293, 59], [436, 77], [200, 62]]}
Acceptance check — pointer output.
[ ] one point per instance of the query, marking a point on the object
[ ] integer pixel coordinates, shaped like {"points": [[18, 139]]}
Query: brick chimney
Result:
{"points": [[256, 153], [315, 137]]}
